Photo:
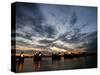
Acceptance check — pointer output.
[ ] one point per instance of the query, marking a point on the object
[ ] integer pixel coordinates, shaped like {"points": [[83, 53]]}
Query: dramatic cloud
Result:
{"points": [[73, 19], [46, 27], [45, 41]]}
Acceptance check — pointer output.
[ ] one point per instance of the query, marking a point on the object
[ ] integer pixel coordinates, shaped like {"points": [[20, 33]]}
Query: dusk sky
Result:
{"points": [[48, 27]]}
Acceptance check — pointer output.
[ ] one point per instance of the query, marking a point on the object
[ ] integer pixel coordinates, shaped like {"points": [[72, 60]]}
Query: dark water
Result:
{"points": [[47, 64]]}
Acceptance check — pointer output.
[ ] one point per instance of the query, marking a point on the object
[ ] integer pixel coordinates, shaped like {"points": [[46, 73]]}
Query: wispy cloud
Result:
{"points": [[43, 26]]}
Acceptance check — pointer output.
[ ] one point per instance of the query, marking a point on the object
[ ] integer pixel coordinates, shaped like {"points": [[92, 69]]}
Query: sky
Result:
{"points": [[49, 27]]}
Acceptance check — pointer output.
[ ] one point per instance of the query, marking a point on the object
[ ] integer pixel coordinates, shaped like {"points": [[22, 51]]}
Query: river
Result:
{"points": [[47, 64]]}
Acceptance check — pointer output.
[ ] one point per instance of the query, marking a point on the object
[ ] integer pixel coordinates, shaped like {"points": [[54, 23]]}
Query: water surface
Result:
{"points": [[47, 64]]}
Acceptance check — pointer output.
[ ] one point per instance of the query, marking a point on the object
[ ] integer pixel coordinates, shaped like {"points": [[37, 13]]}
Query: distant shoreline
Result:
{"points": [[31, 55]]}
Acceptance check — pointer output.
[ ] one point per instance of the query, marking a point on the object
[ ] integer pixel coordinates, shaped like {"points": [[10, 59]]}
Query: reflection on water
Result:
{"points": [[19, 67], [37, 66], [48, 64]]}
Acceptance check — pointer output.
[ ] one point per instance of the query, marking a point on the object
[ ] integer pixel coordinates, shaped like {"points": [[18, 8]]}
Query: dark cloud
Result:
{"points": [[68, 24], [49, 31], [88, 36], [22, 43], [27, 14], [73, 19], [71, 36], [91, 46], [45, 41], [45, 30]]}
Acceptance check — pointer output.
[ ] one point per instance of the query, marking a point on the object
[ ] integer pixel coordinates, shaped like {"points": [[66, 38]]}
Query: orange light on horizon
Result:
{"points": [[57, 49]]}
